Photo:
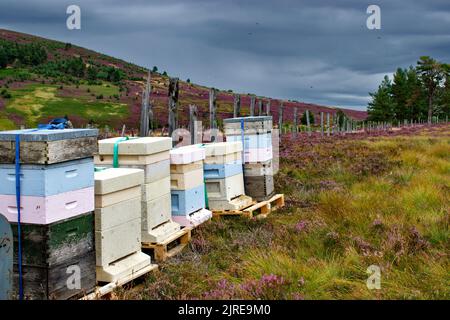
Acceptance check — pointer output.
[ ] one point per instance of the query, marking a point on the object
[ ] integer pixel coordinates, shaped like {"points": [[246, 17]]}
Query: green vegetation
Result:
{"points": [[304, 119], [36, 102], [30, 54], [413, 94], [350, 205]]}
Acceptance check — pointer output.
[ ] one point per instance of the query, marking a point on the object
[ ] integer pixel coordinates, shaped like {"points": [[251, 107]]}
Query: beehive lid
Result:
{"points": [[109, 180], [47, 135], [187, 154], [135, 146], [222, 148]]}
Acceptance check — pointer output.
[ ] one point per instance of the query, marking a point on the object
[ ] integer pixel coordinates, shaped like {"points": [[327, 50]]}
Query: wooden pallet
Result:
{"points": [[106, 289], [259, 210], [170, 247]]}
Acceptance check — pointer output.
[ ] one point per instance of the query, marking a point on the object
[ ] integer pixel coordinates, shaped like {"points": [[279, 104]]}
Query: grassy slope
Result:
{"points": [[351, 204], [10, 116]]}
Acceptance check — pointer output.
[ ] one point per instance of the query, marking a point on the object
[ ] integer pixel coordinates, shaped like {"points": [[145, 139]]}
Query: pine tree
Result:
{"points": [[381, 108], [432, 73]]}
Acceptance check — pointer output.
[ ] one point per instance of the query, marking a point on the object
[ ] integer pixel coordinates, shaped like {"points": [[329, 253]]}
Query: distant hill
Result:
{"points": [[41, 79]]}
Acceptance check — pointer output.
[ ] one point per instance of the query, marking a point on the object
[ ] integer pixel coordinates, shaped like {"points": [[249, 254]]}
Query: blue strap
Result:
{"points": [[116, 149], [19, 233], [243, 141], [17, 176]]}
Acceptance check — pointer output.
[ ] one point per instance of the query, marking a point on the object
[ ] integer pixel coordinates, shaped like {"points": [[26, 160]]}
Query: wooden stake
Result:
{"points": [[280, 116], [173, 105], [328, 124], [193, 124], [321, 124], [237, 106], [212, 108], [252, 106], [295, 128], [308, 124]]}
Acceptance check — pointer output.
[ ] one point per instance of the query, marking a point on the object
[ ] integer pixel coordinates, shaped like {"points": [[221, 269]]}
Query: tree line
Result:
{"points": [[27, 54], [414, 94], [35, 56]]}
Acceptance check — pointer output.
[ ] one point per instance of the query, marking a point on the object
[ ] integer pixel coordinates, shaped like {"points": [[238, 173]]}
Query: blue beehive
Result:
{"points": [[254, 141], [219, 171], [188, 201], [48, 180]]}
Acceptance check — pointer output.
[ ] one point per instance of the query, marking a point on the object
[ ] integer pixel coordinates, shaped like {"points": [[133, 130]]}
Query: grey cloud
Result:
{"points": [[313, 51]]}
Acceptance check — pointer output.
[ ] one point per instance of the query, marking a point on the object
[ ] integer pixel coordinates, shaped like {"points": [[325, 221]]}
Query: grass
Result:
{"points": [[37, 103], [350, 205]]}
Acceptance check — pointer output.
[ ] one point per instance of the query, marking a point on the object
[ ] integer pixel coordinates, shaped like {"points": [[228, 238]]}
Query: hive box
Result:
{"points": [[153, 190], [222, 148], [254, 141], [258, 169], [135, 146], [50, 283], [187, 154], [152, 171], [230, 158], [48, 180], [186, 181], [183, 168], [115, 197], [188, 201], [225, 189], [258, 155], [156, 220], [45, 210], [139, 160], [55, 243], [259, 187], [118, 224], [252, 125], [109, 181], [48, 146], [156, 212], [193, 219], [219, 171]]}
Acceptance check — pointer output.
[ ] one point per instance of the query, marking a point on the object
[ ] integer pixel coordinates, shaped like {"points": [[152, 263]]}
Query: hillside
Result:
{"points": [[42, 79]]}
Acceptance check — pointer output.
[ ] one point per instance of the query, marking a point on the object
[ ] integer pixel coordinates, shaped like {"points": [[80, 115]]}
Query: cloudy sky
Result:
{"points": [[314, 51]]}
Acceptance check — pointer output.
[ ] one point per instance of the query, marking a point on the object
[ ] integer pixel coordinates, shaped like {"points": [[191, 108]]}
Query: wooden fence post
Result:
{"points": [[146, 118], [295, 129], [280, 116], [268, 108], [237, 106], [193, 124], [252, 105], [321, 123], [173, 105], [328, 124], [212, 108], [308, 124]]}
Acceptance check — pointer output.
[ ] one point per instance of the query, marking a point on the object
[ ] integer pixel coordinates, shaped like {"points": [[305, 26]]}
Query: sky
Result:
{"points": [[317, 51]]}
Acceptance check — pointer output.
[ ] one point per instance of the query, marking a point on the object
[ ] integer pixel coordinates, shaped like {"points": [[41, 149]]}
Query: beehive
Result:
{"points": [[150, 154], [118, 223], [256, 135], [187, 186], [57, 200]]}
